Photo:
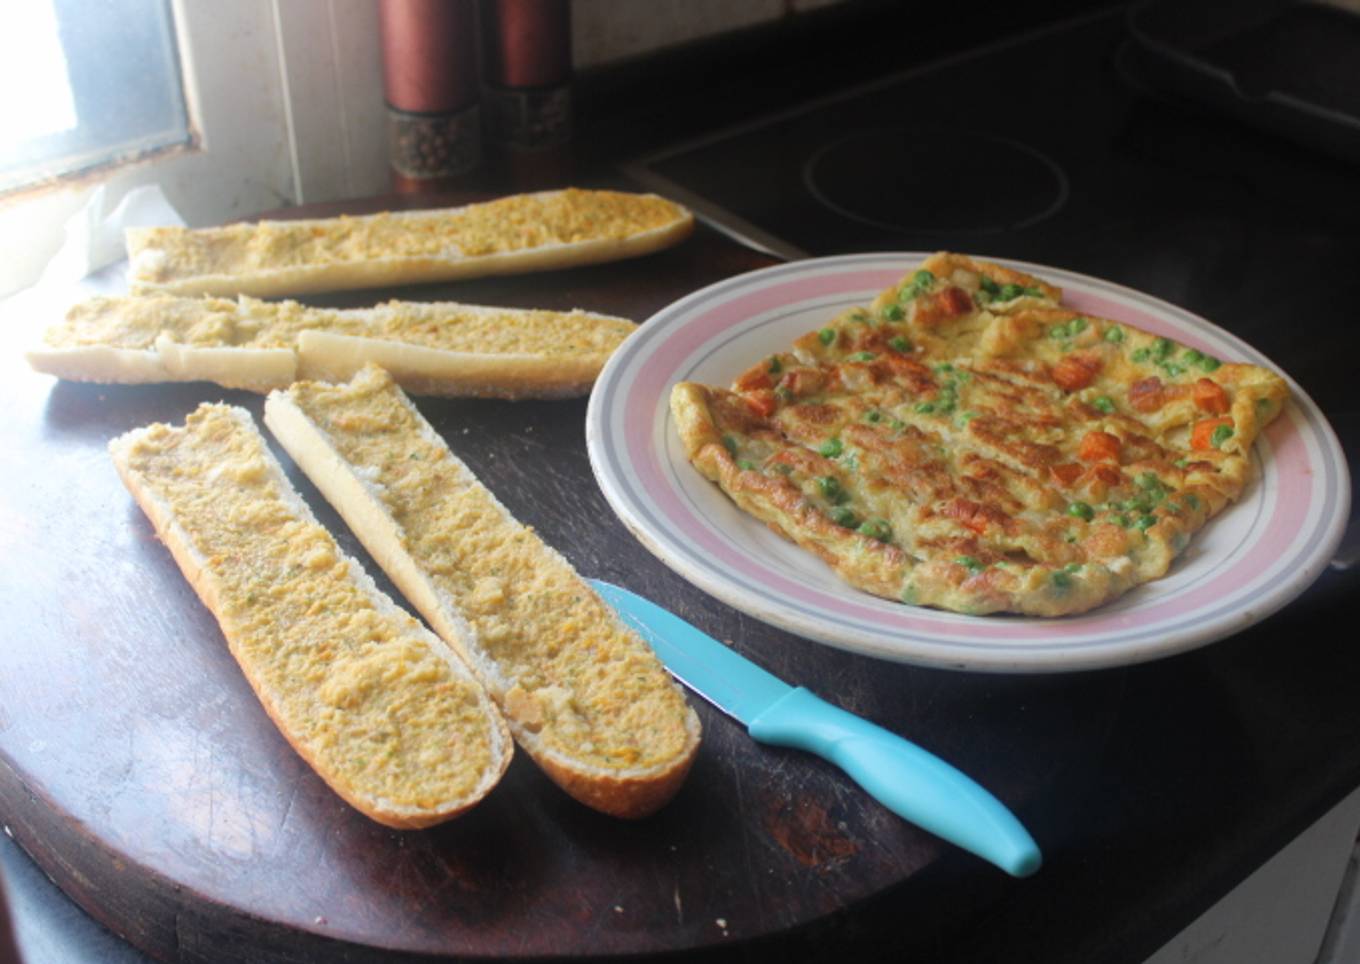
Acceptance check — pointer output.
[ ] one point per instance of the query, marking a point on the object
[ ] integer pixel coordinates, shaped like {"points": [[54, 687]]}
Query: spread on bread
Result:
{"points": [[583, 694], [967, 442], [524, 232], [384, 712], [438, 348]]}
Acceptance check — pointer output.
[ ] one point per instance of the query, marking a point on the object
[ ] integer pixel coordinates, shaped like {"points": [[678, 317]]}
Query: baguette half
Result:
{"points": [[510, 235], [386, 714], [437, 348], [584, 695]]}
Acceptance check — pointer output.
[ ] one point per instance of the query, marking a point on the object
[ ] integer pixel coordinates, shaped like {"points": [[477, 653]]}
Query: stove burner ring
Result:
{"points": [[936, 181]]}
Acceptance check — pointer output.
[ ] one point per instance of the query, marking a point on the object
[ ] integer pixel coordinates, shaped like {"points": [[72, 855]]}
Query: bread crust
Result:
{"points": [[196, 570], [330, 357], [394, 271], [620, 792]]}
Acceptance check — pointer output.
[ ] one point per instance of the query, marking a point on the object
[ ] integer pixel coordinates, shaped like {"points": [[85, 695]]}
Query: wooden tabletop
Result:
{"points": [[138, 769]]}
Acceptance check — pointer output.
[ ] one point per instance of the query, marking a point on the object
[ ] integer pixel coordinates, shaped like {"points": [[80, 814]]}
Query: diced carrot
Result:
{"points": [[1099, 447], [933, 309], [1067, 473], [1107, 474], [1202, 435], [1211, 397], [1145, 395], [753, 378], [1075, 372], [762, 401]]}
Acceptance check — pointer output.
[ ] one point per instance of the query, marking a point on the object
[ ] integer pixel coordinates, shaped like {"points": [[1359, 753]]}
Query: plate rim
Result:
{"points": [[1310, 425]]}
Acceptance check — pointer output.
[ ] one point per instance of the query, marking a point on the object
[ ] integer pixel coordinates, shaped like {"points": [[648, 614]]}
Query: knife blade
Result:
{"points": [[913, 783]]}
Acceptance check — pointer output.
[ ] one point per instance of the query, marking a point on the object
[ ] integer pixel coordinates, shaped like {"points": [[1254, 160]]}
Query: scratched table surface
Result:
{"points": [[138, 770]]}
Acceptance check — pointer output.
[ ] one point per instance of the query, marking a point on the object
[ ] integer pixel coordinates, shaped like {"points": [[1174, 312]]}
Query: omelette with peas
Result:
{"points": [[966, 442]]}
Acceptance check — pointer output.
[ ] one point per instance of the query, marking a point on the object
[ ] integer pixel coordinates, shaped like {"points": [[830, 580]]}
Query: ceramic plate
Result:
{"points": [[1248, 562]]}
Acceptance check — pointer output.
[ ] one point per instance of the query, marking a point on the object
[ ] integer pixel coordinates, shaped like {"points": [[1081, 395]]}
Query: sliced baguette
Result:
{"points": [[386, 714], [519, 233], [583, 694], [438, 348]]}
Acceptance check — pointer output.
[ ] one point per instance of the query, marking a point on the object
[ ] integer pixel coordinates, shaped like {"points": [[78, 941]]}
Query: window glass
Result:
{"points": [[87, 82]]}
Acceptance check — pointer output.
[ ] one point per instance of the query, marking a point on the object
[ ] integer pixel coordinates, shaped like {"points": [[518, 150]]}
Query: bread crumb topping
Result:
{"points": [[509, 224], [361, 691], [137, 323], [570, 671]]}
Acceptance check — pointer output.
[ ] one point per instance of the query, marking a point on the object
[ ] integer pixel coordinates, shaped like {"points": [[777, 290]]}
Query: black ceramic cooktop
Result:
{"points": [[1052, 148]]}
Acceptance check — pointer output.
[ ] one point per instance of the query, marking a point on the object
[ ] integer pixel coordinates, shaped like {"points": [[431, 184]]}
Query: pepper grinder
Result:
{"points": [[430, 84], [526, 52]]}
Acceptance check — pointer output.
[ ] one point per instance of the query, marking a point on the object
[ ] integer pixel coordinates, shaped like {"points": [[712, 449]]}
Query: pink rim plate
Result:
{"points": [[1251, 560]]}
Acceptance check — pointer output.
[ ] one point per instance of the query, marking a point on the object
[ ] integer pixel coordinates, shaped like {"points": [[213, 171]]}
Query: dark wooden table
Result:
{"points": [[138, 770]]}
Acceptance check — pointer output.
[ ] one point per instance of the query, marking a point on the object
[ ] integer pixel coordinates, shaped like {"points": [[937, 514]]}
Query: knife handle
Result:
{"points": [[912, 783]]}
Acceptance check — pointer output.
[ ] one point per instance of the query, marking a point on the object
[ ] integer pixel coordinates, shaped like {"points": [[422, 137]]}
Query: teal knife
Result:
{"points": [[912, 783]]}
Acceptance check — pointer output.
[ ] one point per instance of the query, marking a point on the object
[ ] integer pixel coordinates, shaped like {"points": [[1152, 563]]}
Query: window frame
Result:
{"points": [[276, 117]]}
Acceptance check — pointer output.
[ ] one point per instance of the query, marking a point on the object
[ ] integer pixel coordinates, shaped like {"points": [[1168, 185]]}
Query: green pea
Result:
{"points": [[1221, 435], [1114, 334], [1061, 580], [1011, 291], [947, 407], [1121, 520], [861, 356], [1140, 355], [1149, 480], [876, 529], [1181, 463], [1193, 355], [1192, 501], [874, 416], [969, 563], [826, 336], [844, 517], [783, 393], [1081, 511], [923, 278], [925, 408], [944, 367], [1072, 567], [776, 366], [900, 344], [1059, 331], [1145, 522], [1172, 369], [1209, 363], [893, 313], [1076, 325], [831, 448], [746, 465], [1163, 347], [730, 444], [831, 490], [989, 286], [861, 316], [1173, 507], [1105, 404], [1034, 292]]}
